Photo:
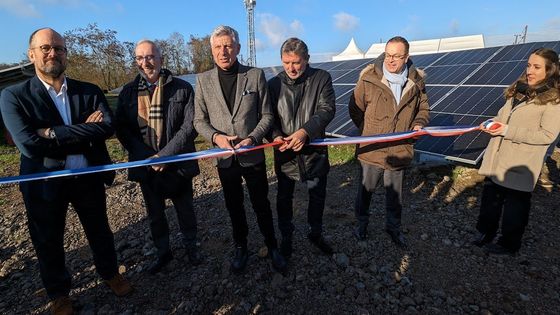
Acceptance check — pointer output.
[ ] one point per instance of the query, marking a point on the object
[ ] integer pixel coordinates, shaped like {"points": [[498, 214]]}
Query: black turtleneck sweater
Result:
{"points": [[228, 83]]}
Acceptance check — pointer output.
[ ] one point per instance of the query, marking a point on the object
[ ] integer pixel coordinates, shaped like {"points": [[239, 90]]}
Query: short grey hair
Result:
{"points": [[151, 42], [224, 30], [296, 46]]}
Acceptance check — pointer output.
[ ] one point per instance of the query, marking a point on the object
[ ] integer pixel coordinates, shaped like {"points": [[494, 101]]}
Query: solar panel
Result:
{"points": [[463, 87], [448, 74], [423, 61]]}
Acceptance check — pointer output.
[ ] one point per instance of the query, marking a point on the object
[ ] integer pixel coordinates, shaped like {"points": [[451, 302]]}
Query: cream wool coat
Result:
{"points": [[515, 160]]}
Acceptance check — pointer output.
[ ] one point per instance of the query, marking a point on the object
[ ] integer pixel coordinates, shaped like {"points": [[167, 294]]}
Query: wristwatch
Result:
{"points": [[51, 134]]}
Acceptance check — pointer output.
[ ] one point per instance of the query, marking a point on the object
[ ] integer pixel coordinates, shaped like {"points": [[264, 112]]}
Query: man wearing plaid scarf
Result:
{"points": [[155, 119]]}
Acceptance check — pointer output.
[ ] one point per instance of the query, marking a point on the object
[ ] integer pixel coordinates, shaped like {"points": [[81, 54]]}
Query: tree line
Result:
{"points": [[96, 55]]}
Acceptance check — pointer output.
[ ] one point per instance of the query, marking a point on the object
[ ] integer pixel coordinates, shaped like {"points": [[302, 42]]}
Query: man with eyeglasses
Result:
{"points": [[155, 119], [232, 110], [58, 123], [390, 96]]}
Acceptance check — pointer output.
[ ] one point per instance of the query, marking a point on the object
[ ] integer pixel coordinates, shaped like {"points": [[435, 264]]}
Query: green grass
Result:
{"points": [[116, 150], [341, 154], [9, 155]]}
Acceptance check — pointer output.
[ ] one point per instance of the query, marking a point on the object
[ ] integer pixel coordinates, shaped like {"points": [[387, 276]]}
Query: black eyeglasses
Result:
{"points": [[396, 57], [147, 58], [46, 49]]}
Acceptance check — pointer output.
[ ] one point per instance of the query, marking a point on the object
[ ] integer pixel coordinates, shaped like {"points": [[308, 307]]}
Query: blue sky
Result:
{"points": [[326, 25]]}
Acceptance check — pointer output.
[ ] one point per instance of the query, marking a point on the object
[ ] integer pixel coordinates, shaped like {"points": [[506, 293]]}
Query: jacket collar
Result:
{"points": [[302, 78], [240, 88]]}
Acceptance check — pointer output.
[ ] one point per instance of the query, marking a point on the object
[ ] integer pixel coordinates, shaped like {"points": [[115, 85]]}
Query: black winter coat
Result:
{"points": [[178, 133], [309, 103]]}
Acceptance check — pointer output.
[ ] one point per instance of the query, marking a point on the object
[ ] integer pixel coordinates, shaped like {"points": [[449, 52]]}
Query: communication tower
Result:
{"points": [[250, 6]]}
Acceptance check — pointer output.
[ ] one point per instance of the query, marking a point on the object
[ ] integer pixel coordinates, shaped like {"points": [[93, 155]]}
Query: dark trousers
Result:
{"points": [[514, 205], [257, 184], [46, 219], [155, 207], [315, 207], [370, 178]]}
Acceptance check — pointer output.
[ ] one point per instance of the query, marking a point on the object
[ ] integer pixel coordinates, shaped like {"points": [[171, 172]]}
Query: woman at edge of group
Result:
{"points": [[528, 124]]}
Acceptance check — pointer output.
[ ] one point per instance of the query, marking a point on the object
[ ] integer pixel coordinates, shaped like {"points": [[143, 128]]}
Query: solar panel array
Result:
{"points": [[464, 88]]}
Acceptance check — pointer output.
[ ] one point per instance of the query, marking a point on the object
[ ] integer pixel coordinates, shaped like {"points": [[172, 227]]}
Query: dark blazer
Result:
{"points": [[27, 107], [178, 133], [251, 117]]}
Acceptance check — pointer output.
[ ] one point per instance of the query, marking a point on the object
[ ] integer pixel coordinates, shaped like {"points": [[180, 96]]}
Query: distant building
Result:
{"points": [[13, 75], [418, 47]]}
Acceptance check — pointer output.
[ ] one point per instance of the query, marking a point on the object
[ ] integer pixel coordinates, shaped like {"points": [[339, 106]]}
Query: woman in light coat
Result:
{"points": [[527, 124]]}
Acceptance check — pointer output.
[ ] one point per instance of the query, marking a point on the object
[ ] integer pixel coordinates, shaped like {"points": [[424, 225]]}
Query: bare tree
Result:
{"points": [[200, 53], [98, 56]]}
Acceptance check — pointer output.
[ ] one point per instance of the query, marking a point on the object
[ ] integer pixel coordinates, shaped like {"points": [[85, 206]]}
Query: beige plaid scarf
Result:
{"points": [[150, 111]]}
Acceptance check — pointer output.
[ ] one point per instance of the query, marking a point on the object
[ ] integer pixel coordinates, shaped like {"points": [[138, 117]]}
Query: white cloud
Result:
{"points": [[413, 29], [20, 8], [345, 22], [276, 30], [72, 3], [454, 26], [552, 24], [259, 44], [119, 7]]}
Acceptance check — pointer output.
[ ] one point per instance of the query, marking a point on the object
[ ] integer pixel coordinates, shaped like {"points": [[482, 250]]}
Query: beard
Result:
{"points": [[54, 69]]}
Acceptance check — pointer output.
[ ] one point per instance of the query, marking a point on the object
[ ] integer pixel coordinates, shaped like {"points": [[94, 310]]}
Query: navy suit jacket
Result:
{"points": [[178, 132], [27, 106]]}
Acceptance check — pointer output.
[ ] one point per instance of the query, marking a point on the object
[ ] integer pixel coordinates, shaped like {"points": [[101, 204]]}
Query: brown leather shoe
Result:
{"points": [[61, 306], [119, 285]]}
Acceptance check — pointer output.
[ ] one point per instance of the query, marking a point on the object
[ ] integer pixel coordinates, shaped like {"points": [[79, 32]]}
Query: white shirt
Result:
{"points": [[62, 104]]}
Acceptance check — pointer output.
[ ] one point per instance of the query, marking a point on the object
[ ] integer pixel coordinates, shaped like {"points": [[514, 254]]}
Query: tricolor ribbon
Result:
{"points": [[445, 131]]}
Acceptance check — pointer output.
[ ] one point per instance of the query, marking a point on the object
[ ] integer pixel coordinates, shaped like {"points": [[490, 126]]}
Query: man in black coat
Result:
{"points": [[155, 119], [303, 102], [58, 123]]}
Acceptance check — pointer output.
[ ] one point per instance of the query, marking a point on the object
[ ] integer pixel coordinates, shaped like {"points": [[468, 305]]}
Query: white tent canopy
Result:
{"points": [[351, 52], [418, 47]]}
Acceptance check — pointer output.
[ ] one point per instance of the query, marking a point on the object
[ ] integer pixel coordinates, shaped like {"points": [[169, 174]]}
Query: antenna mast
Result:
{"points": [[250, 6]]}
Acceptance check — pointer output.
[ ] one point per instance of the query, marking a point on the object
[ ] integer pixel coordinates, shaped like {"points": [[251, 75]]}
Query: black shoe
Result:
{"points": [[497, 249], [398, 238], [194, 255], [160, 262], [320, 243], [481, 239], [240, 258], [286, 247], [278, 261]]}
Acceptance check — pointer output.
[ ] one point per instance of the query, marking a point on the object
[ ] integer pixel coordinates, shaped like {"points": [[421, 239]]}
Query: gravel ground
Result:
{"points": [[440, 273]]}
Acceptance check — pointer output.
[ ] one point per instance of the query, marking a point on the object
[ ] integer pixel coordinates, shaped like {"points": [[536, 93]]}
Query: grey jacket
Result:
{"points": [[252, 116]]}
